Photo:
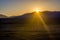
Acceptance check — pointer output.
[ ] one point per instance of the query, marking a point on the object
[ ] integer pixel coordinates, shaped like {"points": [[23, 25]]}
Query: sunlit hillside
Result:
{"points": [[31, 26]]}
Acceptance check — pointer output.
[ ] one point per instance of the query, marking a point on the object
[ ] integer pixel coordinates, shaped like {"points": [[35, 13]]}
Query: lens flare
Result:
{"points": [[37, 10], [37, 23]]}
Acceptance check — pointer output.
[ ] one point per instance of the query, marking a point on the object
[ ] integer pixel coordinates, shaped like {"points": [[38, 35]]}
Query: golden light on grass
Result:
{"points": [[37, 22]]}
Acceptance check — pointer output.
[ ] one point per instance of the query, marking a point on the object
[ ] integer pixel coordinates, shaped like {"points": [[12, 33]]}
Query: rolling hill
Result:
{"points": [[2, 16], [48, 16], [22, 28]]}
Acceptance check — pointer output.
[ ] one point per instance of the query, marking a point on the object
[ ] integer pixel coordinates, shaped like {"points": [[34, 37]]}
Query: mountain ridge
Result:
{"points": [[49, 17], [3, 16], [49, 13]]}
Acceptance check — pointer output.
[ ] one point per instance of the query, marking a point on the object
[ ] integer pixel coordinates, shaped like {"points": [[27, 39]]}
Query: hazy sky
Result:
{"points": [[18, 7]]}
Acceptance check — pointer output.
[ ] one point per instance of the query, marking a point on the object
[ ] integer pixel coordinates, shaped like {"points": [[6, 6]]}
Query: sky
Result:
{"points": [[19, 7]]}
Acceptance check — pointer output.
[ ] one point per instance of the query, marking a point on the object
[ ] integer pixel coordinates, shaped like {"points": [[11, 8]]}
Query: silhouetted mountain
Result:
{"points": [[19, 28], [55, 14], [48, 16], [2, 16]]}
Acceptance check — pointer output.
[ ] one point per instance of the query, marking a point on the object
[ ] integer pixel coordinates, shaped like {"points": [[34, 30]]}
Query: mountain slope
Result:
{"points": [[23, 28], [48, 16], [2, 16]]}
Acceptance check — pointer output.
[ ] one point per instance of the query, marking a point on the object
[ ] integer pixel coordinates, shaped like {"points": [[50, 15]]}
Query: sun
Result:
{"points": [[37, 10]]}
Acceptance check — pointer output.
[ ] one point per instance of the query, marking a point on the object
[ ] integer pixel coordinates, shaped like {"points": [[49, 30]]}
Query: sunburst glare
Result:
{"points": [[36, 23]]}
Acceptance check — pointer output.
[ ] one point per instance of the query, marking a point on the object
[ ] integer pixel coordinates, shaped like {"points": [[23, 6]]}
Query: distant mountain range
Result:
{"points": [[49, 17], [2, 16], [22, 28]]}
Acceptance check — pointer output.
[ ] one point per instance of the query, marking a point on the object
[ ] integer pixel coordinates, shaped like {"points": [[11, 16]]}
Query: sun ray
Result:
{"points": [[40, 18], [46, 27], [37, 20], [35, 23]]}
